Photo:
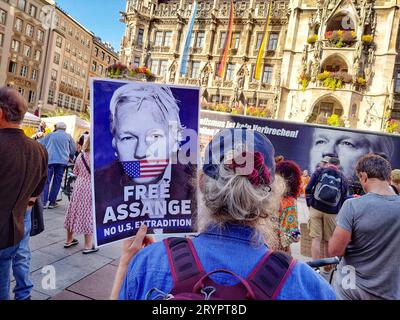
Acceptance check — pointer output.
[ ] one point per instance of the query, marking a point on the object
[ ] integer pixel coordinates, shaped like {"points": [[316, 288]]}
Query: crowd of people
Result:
{"points": [[246, 222]]}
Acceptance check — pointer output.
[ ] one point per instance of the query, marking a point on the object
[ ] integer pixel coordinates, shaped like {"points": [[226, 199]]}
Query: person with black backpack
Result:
{"points": [[229, 259], [326, 193]]}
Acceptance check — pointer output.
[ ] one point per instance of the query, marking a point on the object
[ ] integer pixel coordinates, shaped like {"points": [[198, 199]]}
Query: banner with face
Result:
{"points": [[144, 152], [308, 144]]}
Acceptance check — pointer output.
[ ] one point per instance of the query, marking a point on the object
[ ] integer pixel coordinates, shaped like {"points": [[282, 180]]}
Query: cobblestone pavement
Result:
{"points": [[78, 276], [70, 265]]}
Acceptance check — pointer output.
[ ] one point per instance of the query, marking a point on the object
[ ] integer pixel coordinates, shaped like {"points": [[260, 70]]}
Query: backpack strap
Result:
{"points": [[184, 262], [270, 274], [85, 163]]}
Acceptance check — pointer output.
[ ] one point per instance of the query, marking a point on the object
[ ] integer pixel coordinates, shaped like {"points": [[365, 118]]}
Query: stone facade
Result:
{"points": [[72, 50], [48, 56], [23, 44], [67, 72], [301, 52], [102, 57]]}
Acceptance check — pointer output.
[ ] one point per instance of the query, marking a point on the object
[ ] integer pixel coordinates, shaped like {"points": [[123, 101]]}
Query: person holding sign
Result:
{"points": [[239, 192]]}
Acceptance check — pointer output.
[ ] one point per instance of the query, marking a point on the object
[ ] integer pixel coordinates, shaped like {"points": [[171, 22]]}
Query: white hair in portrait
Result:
{"points": [[136, 93]]}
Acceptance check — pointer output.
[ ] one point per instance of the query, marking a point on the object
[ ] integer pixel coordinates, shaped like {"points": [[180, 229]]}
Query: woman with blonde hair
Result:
{"points": [[79, 219], [229, 258]]}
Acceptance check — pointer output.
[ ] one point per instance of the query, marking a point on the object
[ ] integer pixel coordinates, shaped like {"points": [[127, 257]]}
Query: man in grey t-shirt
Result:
{"points": [[368, 237]]}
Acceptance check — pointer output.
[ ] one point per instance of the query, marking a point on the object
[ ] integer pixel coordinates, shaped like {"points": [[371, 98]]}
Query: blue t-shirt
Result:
{"points": [[235, 248]]}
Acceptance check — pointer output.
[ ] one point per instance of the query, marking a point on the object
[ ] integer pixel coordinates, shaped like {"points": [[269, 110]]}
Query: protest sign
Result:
{"points": [[144, 151]]}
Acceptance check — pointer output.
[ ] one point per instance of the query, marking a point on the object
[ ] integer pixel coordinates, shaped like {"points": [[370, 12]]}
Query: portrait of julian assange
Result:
{"points": [[349, 147], [145, 156]]}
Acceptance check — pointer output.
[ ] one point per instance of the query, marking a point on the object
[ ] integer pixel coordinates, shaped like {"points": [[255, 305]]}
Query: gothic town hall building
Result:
{"points": [[322, 57]]}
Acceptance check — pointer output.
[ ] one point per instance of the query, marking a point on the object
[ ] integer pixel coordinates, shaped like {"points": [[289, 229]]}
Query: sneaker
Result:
{"points": [[53, 205], [89, 251]]}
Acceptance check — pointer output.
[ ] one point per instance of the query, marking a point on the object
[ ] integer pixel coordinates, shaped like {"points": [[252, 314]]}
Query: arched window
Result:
{"points": [[334, 63]]}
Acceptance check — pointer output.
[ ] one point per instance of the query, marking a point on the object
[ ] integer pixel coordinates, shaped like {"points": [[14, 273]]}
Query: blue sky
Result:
{"points": [[99, 16]]}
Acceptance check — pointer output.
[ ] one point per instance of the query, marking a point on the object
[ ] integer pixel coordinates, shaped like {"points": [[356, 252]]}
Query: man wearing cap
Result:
{"points": [[61, 148], [325, 193]]}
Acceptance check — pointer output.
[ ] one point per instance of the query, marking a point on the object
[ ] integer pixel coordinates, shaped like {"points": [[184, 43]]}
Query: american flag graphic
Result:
{"points": [[144, 168]]}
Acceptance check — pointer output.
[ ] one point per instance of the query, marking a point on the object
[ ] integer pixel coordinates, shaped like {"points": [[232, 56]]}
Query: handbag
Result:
{"points": [[37, 221]]}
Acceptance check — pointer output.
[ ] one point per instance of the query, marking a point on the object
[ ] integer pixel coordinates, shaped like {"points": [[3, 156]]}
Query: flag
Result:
{"points": [[144, 168], [261, 52], [228, 40], [189, 35]]}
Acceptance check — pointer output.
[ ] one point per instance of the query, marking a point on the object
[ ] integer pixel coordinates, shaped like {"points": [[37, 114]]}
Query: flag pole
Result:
{"points": [[228, 40], [188, 40], [260, 57]]}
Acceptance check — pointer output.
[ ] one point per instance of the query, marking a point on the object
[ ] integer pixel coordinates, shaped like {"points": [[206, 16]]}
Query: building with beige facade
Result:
{"points": [[323, 57], [48, 56], [67, 72], [73, 52], [23, 44]]}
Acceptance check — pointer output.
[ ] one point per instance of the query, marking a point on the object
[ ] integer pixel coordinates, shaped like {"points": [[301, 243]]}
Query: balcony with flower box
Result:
{"points": [[334, 73], [334, 81], [340, 39]]}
